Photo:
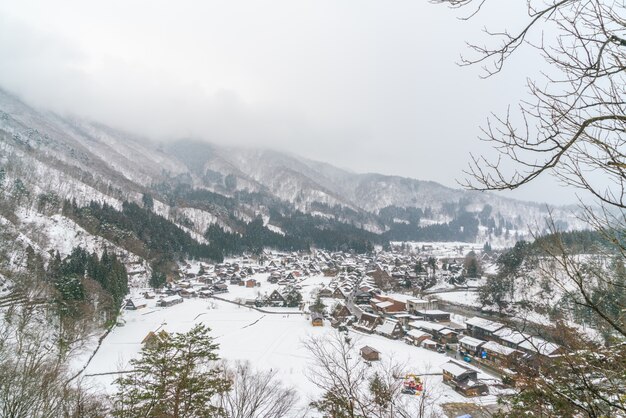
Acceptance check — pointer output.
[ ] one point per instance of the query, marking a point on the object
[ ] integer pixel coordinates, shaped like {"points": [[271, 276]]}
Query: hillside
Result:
{"points": [[96, 182]]}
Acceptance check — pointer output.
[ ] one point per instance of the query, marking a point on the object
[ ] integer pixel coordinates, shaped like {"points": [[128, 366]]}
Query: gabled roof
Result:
{"points": [[416, 333], [498, 348], [430, 326], [473, 342], [485, 324], [540, 346], [369, 350], [456, 369], [387, 327]]}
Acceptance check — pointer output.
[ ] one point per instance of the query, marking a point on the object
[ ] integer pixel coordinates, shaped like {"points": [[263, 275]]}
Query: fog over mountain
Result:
{"points": [[368, 86]]}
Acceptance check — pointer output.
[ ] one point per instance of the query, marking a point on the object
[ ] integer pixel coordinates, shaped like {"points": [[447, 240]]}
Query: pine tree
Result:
{"points": [[176, 376]]}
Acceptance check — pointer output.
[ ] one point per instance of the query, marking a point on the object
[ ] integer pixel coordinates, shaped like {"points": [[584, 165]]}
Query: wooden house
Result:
{"points": [[433, 315], [369, 354], [463, 379], [416, 336], [471, 345], [169, 301], [341, 311], [250, 283], [134, 304], [276, 298], [220, 288], [368, 322], [338, 293], [413, 305], [152, 338], [390, 329], [499, 355], [482, 328], [325, 292]]}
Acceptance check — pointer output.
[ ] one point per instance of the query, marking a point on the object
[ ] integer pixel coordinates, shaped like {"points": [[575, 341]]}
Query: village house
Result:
{"points": [[134, 304], [169, 301], [220, 288], [276, 298], [325, 292], [482, 328], [369, 354], [415, 336], [527, 343], [368, 322], [339, 293], [463, 379], [187, 293], [390, 329], [438, 331], [341, 311], [433, 315], [499, 355], [429, 344], [251, 283], [471, 345], [413, 305], [448, 336], [387, 304], [152, 338]]}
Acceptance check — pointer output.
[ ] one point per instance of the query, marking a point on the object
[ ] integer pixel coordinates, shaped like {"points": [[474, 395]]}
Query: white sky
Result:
{"points": [[367, 85]]}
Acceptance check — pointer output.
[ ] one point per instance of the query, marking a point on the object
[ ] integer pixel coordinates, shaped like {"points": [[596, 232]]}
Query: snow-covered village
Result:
{"points": [[313, 209], [452, 357]]}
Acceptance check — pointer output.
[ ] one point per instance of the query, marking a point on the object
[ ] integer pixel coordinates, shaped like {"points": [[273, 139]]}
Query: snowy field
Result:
{"points": [[461, 297], [269, 341]]}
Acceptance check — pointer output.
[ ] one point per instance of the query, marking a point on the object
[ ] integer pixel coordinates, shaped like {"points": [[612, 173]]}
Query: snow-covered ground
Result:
{"points": [[462, 297], [269, 341]]}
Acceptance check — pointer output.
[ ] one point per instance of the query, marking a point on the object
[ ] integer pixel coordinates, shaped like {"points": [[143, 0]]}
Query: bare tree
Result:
{"points": [[573, 127], [352, 387], [33, 375], [256, 394]]}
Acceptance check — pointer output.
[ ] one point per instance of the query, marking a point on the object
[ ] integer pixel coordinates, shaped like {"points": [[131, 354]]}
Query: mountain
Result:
{"points": [[97, 185]]}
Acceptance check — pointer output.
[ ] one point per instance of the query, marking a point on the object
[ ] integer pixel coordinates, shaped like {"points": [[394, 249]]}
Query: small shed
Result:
{"points": [[370, 354]]}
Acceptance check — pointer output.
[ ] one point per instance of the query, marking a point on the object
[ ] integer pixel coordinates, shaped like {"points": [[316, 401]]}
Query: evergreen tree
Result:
{"points": [[157, 279], [175, 376]]}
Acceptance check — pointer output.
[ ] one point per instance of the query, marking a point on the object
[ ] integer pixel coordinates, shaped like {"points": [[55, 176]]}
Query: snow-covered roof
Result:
{"points": [[431, 326], [511, 335], [485, 324], [171, 298], [455, 369], [384, 305], [399, 297], [413, 300], [433, 312], [472, 342], [498, 348], [540, 346], [416, 333], [387, 327]]}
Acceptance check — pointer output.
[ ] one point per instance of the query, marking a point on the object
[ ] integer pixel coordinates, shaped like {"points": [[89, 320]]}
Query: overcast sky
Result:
{"points": [[371, 86]]}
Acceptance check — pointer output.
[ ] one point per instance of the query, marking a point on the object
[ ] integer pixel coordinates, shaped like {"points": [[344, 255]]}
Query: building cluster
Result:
{"points": [[378, 294]]}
